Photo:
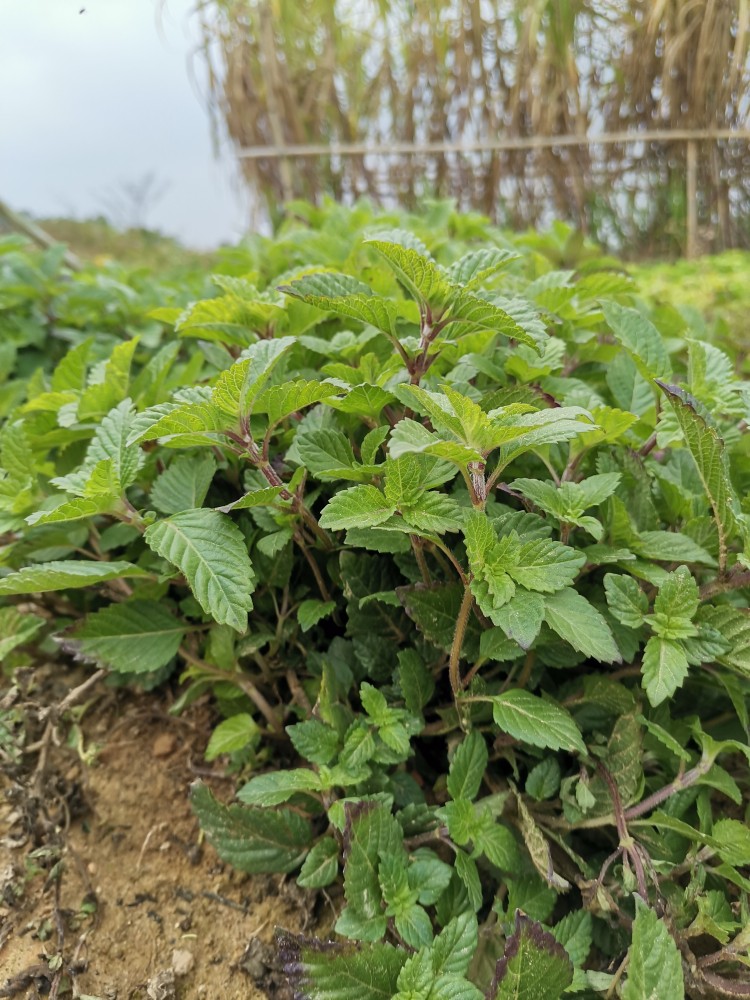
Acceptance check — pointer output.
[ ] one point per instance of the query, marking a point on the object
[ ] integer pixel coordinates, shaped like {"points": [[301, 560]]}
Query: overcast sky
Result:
{"points": [[94, 99]]}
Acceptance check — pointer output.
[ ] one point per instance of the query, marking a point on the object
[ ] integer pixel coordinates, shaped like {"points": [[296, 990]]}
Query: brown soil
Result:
{"points": [[106, 891]]}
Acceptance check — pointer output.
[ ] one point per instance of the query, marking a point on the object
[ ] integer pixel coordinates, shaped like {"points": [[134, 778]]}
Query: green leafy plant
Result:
{"points": [[461, 537]]}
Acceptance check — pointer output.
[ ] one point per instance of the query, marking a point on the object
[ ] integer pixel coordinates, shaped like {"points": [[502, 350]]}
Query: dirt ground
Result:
{"points": [[106, 891]]}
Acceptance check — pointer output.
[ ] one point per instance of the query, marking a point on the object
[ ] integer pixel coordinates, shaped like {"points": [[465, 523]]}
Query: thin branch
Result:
{"points": [[242, 682], [735, 579], [454, 669], [680, 783]]}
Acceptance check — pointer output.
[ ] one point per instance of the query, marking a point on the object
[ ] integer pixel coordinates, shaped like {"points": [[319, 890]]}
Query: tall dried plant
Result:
{"points": [[296, 72]]}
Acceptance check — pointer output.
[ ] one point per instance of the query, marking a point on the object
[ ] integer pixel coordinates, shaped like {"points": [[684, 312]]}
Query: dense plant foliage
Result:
{"points": [[455, 535]]}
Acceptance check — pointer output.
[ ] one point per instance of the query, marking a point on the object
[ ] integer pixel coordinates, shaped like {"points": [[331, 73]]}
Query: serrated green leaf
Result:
{"points": [[543, 780], [428, 875], [433, 514], [678, 596], [420, 275], [534, 966], [64, 575], [495, 645], [310, 612], [654, 963], [345, 296], [373, 832], [709, 454], [579, 623], [231, 735], [408, 436], [16, 629], [325, 450], [186, 425], [467, 767], [545, 565], [453, 949], [471, 314], [536, 721], [340, 973], [255, 498], [545, 427], [568, 500], [321, 866], [574, 932], [372, 442], [225, 319], [357, 507], [211, 551], [665, 667], [76, 509], [280, 401], [111, 441], [253, 840], [733, 625], [625, 599], [414, 926], [495, 841], [278, 786], [671, 546], [416, 682], [404, 480], [184, 484], [466, 869], [70, 373], [733, 837], [640, 338], [364, 400], [478, 265], [314, 740], [132, 637], [112, 387]]}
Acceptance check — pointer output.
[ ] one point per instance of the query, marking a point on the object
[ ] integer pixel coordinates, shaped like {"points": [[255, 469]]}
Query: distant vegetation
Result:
{"points": [[95, 239]]}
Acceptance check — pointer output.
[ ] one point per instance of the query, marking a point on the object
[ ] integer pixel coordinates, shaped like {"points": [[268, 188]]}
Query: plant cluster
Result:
{"points": [[458, 535]]}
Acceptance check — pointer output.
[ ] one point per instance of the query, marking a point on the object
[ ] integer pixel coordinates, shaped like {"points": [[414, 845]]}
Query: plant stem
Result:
{"points": [[429, 330], [735, 579], [242, 682], [416, 544], [324, 593], [647, 446], [454, 670], [499, 469], [478, 484], [528, 666], [681, 782], [628, 845], [298, 505], [454, 562]]}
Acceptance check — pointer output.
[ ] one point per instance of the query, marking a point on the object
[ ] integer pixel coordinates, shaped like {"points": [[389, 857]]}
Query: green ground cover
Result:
{"points": [[454, 526]]}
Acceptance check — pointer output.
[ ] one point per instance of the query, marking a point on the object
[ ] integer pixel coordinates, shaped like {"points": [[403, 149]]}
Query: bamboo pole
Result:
{"points": [[691, 184], [36, 234], [628, 137]]}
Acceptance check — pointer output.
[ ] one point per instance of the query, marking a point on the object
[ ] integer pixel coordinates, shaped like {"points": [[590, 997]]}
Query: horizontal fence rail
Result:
{"points": [[628, 137]]}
